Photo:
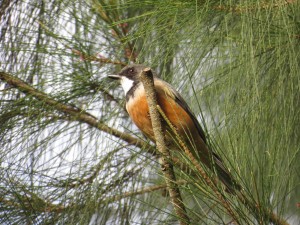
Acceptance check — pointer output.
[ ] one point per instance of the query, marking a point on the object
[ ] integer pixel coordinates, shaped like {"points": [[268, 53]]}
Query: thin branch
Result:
{"points": [[146, 77], [93, 58], [116, 33], [45, 206], [141, 191], [82, 55], [73, 111]]}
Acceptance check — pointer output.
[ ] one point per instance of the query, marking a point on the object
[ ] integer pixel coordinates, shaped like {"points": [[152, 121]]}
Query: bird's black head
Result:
{"points": [[132, 71], [129, 76]]}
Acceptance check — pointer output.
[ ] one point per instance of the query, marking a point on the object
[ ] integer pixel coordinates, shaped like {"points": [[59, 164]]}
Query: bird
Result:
{"points": [[178, 113]]}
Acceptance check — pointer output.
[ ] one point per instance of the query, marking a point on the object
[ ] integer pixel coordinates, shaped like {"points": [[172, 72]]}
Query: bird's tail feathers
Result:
{"points": [[223, 174]]}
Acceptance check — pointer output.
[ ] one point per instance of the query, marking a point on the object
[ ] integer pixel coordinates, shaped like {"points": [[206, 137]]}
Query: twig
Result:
{"points": [[73, 111], [86, 57], [140, 191], [46, 206], [116, 33], [146, 77]]}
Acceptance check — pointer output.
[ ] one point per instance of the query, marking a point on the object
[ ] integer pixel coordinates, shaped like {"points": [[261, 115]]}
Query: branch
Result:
{"points": [[146, 77], [119, 34], [140, 192], [42, 205], [93, 58], [76, 113]]}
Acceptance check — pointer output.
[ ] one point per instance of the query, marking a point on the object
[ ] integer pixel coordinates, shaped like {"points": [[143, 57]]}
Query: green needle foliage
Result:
{"points": [[69, 153]]}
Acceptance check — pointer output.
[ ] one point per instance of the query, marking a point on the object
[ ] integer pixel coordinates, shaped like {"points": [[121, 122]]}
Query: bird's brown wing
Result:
{"points": [[181, 102], [212, 160]]}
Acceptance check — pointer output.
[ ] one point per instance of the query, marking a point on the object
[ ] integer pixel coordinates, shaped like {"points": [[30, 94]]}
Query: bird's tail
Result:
{"points": [[223, 174]]}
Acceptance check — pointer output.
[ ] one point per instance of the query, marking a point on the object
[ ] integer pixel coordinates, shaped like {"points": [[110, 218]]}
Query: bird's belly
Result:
{"points": [[139, 112]]}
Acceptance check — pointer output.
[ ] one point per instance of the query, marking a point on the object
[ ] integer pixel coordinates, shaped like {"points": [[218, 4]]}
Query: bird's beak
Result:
{"points": [[114, 76]]}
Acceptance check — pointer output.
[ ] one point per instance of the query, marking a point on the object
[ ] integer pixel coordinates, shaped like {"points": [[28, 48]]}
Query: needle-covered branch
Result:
{"points": [[72, 111], [147, 79]]}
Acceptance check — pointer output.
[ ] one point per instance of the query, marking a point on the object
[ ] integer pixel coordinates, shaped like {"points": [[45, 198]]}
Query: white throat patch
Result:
{"points": [[126, 84]]}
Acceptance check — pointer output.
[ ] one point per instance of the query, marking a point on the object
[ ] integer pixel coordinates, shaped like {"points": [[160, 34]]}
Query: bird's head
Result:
{"points": [[128, 76]]}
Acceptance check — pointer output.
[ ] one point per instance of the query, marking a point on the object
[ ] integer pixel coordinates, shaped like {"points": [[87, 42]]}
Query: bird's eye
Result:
{"points": [[130, 72]]}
